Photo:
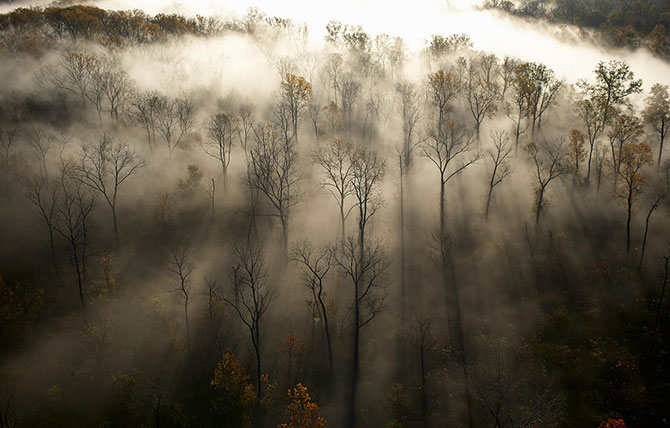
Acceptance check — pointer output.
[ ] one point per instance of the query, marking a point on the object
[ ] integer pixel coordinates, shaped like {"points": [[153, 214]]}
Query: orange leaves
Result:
{"points": [[296, 87], [613, 423], [235, 396], [301, 412]]}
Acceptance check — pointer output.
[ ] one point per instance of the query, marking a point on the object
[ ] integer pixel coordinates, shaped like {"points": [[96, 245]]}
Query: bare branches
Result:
{"points": [[550, 163], [220, 130], [104, 167], [336, 163], [499, 155], [250, 295], [273, 172], [182, 268], [367, 274]]}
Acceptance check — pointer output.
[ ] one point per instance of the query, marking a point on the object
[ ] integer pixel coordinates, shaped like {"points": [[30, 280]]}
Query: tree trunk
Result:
{"points": [[628, 218], [353, 387], [116, 227]]}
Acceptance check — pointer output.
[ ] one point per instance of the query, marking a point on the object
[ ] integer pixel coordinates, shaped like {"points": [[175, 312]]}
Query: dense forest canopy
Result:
{"points": [[219, 222], [619, 22]]}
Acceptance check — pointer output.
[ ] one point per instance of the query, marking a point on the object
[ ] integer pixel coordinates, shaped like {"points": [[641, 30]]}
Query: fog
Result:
{"points": [[453, 283]]}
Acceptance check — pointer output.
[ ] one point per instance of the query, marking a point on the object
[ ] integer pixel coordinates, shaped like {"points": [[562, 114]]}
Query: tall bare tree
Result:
{"points": [[103, 167], [365, 267], [220, 130], [182, 268], [73, 209], [550, 163], [315, 268], [273, 171], [335, 161], [499, 154], [367, 174], [408, 107], [45, 195], [449, 146], [250, 296]]}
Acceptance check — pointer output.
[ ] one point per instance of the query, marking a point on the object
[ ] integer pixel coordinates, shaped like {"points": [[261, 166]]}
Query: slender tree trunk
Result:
{"points": [[53, 253], [442, 207], [588, 168], [80, 282], [353, 387], [646, 229], [660, 148], [424, 395], [403, 285], [539, 206], [116, 227], [342, 221], [188, 330], [491, 185], [628, 218], [327, 331], [257, 349]]}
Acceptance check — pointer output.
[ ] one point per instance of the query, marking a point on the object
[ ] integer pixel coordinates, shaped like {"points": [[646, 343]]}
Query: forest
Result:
{"points": [[215, 221], [617, 22]]}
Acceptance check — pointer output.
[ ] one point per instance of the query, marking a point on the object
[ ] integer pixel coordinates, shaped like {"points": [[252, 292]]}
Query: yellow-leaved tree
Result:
{"points": [[234, 395], [301, 412]]}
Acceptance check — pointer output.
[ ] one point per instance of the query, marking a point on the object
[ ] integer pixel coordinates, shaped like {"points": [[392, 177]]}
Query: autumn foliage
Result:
{"points": [[613, 423], [235, 396], [301, 412]]}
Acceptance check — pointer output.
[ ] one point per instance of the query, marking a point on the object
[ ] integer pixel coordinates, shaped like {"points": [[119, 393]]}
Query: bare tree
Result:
{"points": [[409, 111], [447, 144], [175, 119], [367, 173], [335, 161], [315, 268], [8, 134], [45, 195], [246, 126], [182, 267], [550, 163], [659, 199], [117, 88], [250, 296], [499, 154], [365, 266], [73, 74], [273, 172], [41, 141], [314, 112], [507, 75], [104, 167], [220, 130], [146, 108], [349, 91], [73, 209]]}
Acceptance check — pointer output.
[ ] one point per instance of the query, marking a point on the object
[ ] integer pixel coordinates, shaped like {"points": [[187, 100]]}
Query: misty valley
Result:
{"points": [[225, 216]]}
